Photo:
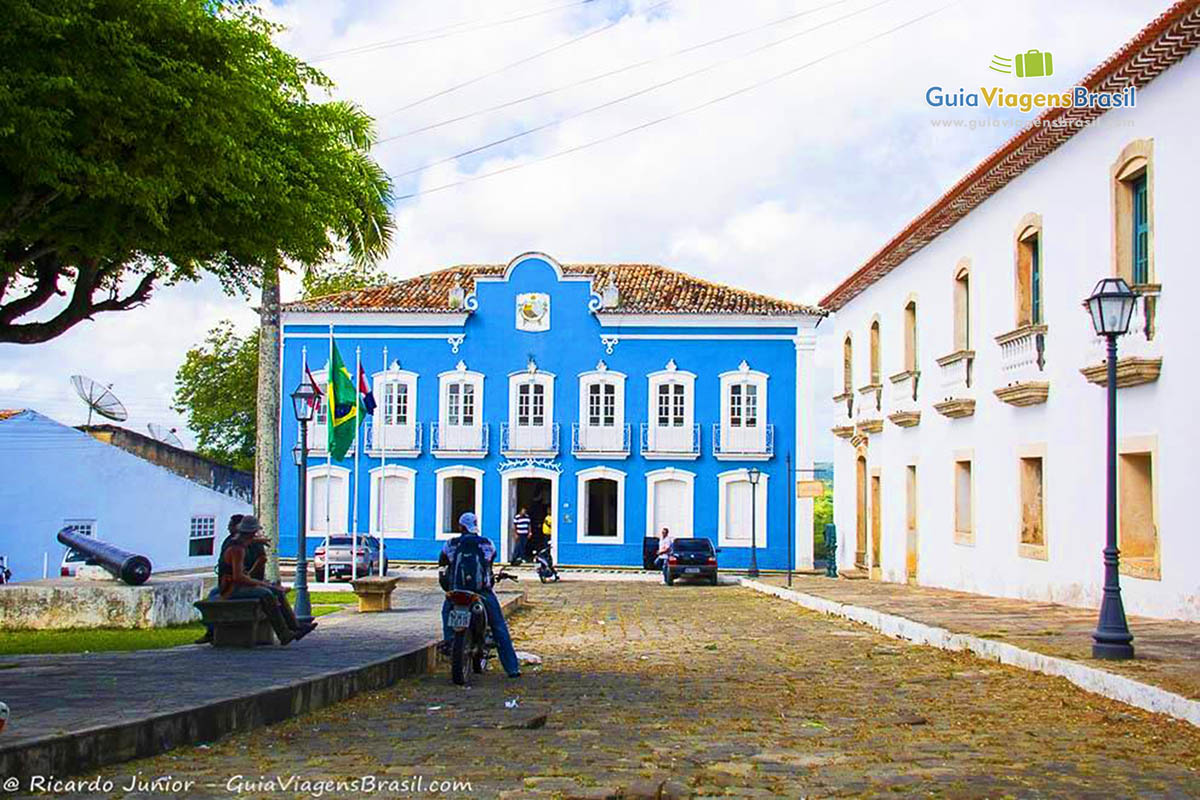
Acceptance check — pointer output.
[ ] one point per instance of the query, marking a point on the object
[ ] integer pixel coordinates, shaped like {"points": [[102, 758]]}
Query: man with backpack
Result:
{"points": [[466, 565]]}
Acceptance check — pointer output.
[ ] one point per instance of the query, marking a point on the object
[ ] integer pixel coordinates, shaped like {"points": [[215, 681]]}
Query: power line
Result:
{"points": [[610, 73], [681, 113], [519, 62], [424, 37], [654, 87]]}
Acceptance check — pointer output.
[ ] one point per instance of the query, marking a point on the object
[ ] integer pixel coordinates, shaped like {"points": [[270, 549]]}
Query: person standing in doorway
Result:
{"points": [[521, 525]]}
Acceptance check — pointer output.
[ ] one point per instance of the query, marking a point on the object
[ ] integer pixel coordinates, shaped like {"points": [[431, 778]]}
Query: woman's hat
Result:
{"points": [[249, 524]]}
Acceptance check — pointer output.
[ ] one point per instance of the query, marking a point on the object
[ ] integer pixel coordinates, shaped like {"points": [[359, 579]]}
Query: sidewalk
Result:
{"points": [[74, 712], [1168, 652]]}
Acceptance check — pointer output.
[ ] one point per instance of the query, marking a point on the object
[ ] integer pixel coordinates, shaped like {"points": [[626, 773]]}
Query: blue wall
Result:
{"points": [[496, 348]]}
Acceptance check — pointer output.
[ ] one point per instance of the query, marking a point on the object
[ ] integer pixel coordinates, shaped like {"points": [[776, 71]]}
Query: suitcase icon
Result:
{"points": [[1034, 64]]}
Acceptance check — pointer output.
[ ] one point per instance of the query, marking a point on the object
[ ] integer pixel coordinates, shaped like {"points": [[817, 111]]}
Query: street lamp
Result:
{"points": [[304, 405], [754, 473], [1111, 306]]}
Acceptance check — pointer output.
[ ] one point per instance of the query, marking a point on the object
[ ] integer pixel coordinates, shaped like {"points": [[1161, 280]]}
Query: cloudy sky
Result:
{"points": [[822, 148]]}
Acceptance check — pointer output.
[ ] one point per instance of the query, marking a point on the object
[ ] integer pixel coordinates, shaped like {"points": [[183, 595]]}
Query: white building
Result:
{"points": [[56, 476], [971, 425]]}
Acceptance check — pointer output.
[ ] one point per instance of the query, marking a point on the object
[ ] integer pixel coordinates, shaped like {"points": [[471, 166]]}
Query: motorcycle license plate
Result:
{"points": [[692, 570], [460, 618]]}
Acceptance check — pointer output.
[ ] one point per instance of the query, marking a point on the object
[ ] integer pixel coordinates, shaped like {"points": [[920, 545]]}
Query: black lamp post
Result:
{"points": [[1111, 306], [754, 473], [304, 405]]}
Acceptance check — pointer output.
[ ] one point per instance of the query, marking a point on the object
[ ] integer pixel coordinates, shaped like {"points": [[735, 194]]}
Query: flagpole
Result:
{"points": [[382, 469], [358, 423], [330, 411]]}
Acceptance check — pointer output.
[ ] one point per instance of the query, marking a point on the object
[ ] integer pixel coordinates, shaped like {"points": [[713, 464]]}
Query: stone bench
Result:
{"points": [[236, 623], [375, 593]]}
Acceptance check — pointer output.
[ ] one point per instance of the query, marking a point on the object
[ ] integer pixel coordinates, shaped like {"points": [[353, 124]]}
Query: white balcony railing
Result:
{"points": [[756, 443], [843, 411], [458, 439], [389, 439], [526, 440], [598, 440], [904, 393], [956, 375], [1022, 354], [1142, 341], [670, 442]]}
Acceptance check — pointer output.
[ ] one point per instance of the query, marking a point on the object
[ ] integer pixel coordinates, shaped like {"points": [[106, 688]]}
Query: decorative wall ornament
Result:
{"points": [[529, 463], [671, 366], [533, 311], [609, 343], [601, 366], [531, 366], [471, 303], [455, 341], [743, 367], [461, 366]]}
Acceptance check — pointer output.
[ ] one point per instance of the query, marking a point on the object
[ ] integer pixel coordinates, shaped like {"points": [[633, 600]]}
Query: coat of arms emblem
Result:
{"points": [[533, 312]]}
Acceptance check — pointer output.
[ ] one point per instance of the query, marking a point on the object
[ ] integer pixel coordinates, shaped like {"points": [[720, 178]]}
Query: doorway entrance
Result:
{"points": [[536, 490], [876, 527], [860, 541], [910, 513]]}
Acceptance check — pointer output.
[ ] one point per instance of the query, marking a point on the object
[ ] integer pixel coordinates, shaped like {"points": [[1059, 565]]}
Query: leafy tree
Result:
{"points": [[152, 141], [215, 387]]}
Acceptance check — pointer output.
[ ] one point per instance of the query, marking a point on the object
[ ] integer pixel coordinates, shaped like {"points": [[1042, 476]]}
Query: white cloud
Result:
{"points": [[784, 189]]}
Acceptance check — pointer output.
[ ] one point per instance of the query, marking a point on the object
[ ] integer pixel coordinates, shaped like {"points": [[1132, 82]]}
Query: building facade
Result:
{"points": [[972, 413], [614, 400], [56, 476]]}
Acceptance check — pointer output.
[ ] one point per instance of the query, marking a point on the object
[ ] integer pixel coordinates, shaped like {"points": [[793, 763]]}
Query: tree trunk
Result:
{"points": [[266, 440]]}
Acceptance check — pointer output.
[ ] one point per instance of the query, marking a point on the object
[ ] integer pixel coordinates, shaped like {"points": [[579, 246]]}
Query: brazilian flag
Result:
{"points": [[344, 405]]}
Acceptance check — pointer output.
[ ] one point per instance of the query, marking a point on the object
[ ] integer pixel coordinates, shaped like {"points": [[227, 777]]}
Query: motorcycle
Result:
{"points": [[472, 644], [545, 564]]}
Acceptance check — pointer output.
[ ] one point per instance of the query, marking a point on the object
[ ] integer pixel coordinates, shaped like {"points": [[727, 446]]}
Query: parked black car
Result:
{"points": [[691, 558]]}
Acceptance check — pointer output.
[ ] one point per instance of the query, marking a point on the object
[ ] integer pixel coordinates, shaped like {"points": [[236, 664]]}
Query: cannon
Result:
{"points": [[124, 566]]}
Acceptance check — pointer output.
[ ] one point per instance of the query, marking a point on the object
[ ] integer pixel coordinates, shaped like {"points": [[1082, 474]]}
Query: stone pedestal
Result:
{"points": [[374, 594], [61, 603]]}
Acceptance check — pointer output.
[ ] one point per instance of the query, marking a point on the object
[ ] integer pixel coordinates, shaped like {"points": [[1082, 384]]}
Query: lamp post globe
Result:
{"points": [[753, 475], [1111, 308], [304, 406]]}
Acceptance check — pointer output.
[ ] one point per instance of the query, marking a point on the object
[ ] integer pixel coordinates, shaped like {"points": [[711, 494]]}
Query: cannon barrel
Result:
{"points": [[124, 566]]}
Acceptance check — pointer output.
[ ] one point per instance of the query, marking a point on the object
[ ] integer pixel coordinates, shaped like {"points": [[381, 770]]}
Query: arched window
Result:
{"points": [[874, 344], [1029, 270], [910, 337], [847, 366], [962, 307], [1133, 207]]}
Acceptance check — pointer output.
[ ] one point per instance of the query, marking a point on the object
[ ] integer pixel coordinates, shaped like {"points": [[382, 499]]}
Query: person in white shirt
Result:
{"points": [[664, 547]]}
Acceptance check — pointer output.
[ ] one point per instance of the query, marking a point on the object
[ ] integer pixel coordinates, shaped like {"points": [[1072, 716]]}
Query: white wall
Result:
{"points": [[1071, 190], [53, 473]]}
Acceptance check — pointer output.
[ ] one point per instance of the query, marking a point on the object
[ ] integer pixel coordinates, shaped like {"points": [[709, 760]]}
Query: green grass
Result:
{"points": [[326, 598], [97, 640]]}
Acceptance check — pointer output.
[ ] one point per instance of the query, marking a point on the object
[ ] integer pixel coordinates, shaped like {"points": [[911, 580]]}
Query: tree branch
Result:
{"points": [[81, 306], [48, 269]]}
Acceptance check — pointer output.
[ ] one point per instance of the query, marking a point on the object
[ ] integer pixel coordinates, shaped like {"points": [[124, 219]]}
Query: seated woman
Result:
{"points": [[235, 583]]}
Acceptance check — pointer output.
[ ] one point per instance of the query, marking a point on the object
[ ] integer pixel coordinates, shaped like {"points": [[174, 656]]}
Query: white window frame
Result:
{"points": [[470, 437], [739, 439], [530, 437], [378, 474], [398, 438], [602, 438], [78, 522], [760, 522], [193, 538], [671, 473], [674, 438], [596, 473], [318, 430], [321, 471], [457, 471]]}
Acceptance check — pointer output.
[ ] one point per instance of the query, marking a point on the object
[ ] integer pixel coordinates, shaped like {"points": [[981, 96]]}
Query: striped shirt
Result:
{"points": [[521, 523]]}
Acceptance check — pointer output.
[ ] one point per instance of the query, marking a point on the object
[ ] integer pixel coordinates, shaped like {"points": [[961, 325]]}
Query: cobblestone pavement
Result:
{"points": [[656, 691], [1168, 651]]}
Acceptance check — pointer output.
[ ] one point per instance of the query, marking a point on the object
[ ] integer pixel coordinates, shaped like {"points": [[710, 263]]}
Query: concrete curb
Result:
{"points": [[83, 750], [1090, 679]]}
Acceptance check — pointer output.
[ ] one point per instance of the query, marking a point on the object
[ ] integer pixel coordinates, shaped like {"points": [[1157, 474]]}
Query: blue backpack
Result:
{"points": [[468, 571]]}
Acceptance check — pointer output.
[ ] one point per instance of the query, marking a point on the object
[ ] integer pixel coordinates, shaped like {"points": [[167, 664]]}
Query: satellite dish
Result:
{"points": [[164, 435], [99, 399]]}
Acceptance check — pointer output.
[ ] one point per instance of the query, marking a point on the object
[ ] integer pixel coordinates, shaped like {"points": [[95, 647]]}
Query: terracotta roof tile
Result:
{"points": [[1164, 42], [642, 289], [8, 413]]}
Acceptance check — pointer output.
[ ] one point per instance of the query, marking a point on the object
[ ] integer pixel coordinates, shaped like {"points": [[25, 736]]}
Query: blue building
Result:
{"points": [[614, 399], [173, 511]]}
